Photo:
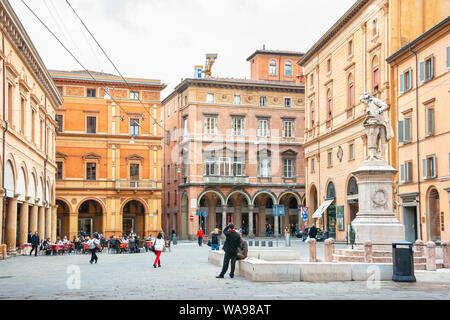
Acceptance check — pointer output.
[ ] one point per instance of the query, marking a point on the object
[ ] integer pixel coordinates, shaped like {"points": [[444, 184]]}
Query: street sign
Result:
{"points": [[305, 216], [191, 217]]}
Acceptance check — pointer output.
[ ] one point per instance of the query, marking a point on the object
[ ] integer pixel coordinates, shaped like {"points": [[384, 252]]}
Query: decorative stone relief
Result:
{"points": [[379, 199]]}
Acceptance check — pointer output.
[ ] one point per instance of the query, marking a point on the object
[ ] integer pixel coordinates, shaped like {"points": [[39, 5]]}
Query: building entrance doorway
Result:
{"points": [[85, 226], [410, 223], [331, 221]]}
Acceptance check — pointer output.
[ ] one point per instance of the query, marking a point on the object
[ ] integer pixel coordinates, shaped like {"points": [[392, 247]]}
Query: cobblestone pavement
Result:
{"points": [[185, 274]]}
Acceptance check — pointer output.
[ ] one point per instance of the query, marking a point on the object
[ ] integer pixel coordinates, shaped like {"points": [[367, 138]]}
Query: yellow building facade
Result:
{"points": [[348, 60], [108, 154], [29, 100], [423, 134]]}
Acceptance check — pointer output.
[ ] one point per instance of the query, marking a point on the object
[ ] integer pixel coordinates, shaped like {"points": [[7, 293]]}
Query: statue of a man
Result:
{"points": [[378, 127]]}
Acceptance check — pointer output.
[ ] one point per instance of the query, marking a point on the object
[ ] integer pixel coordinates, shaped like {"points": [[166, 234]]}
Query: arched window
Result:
{"points": [[352, 187], [329, 104], [272, 67], [350, 91], [312, 112], [375, 75], [331, 191], [288, 68]]}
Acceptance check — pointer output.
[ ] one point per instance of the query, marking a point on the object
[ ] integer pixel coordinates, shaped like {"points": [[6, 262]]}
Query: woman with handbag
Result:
{"points": [[158, 247]]}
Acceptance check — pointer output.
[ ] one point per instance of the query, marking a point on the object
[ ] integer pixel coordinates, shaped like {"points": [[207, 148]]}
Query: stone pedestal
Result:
{"points": [[446, 254], [329, 249], [431, 256], [312, 250], [376, 220]]}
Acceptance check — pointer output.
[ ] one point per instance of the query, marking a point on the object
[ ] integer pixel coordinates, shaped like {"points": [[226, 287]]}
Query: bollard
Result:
{"points": [[270, 243], [263, 243], [329, 249], [368, 253], [420, 248], [446, 254], [431, 256], [256, 243], [312, 250], [3, 251]]}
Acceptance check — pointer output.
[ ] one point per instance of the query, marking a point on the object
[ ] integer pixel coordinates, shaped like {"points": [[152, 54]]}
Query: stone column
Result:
{"points": [[23, 223], [33, 223], [431, 256], [368, 253], [446, 253], [312, 250], [41, 222], [250, 222], [419, 248], [224, 219], [54, 222], [2, 192], [11, 225], [48, 222], [329, 249]]}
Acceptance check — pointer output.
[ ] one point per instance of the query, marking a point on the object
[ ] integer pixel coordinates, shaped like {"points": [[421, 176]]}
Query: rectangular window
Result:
{"points": [[210, 167], [374, 27], [313, 165], [312, 117], [210, 125], [238, 126], [329, 65], [134, 171], [288, 102], [92, 93], [351, 95], [288, 168], [168, 137], [405, 81], [59, 170], [406, 172], [330, 159], [404, 130], [264, 167], [33, 126], [91, 171], [288, 129], [185, 126], [134, 95], [429, 167], [263, 128], [60, 89], [134, 127], [175, 106], [238, 167], [426, 69], [262, 101], [429, 118], [330, 108], [59, 121], [168, 111], [351, 151], [237, 99], [91, 124], [210, 98], [350, 48], [376, 79], [224, 166]]}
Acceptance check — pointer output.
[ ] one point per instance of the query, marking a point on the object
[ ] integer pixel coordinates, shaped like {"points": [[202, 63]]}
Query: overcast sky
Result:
{"points": [[164, 39]]}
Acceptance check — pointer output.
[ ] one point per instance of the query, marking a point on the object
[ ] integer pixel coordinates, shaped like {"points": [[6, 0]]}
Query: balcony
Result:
{"points": [[226, 179], [136, 184]]}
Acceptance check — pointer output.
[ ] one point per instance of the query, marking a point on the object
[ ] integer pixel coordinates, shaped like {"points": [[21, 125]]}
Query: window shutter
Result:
{"points": [[400, 137], [402, 83], [409, 82], [424, 164], [431, 67], [402, 173], [283, 129], [430, 121], [206, 125], [409, 171], [422, 71], [407, 128], [448, 57], [433, 167]]}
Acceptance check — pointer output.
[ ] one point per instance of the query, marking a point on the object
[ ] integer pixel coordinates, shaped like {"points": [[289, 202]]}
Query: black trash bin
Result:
{"points": [[403, 262]]}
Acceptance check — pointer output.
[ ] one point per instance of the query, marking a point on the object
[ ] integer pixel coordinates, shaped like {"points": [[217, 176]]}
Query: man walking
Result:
{"points": [[35, 242], [230, 247], [93, 243]]}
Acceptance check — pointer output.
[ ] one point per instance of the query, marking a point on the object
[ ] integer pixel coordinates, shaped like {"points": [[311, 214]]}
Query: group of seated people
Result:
{"points": [[131, 243]]}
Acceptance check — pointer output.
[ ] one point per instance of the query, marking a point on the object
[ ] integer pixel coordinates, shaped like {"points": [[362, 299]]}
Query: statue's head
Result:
{"points": [[365, 98]]}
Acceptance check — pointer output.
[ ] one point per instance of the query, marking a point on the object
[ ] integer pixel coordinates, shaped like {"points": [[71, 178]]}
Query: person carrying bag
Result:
{"points": [[157, 248]]}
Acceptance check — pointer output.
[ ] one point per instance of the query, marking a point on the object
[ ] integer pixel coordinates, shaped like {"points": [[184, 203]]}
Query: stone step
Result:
{"points": [[420, 266], [382, 260], [382, 254], [349, 252], [420, 260], [342, 258]]}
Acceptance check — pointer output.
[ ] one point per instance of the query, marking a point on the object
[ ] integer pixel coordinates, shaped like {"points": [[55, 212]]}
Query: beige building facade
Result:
{"points": [[422, 68], [30, 100]]}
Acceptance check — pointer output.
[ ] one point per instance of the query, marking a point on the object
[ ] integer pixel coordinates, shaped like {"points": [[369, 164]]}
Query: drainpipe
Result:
{"points": [[417, 141], [4, 144]]}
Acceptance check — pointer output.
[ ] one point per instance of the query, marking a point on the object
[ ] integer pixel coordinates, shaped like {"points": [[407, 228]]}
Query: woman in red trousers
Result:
{"points": [[158, 244]]}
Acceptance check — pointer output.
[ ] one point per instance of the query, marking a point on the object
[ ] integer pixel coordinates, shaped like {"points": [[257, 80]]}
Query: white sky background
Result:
{"points": [[164, 39]]}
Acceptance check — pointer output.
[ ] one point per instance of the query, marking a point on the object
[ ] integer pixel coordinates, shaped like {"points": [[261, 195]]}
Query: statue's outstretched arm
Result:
{"points": [[381, 105]]}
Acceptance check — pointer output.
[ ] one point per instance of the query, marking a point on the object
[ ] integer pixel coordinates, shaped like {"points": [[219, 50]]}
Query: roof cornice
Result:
{"points": [[14, 30], [276, 53], [333, 31]]}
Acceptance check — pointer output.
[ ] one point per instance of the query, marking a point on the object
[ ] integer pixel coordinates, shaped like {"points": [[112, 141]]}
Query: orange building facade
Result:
{"points": [[234, 150], [108, 154]]}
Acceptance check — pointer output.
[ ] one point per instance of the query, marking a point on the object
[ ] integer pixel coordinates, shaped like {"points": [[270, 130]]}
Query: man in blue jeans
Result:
{"points": [[215, 239]]}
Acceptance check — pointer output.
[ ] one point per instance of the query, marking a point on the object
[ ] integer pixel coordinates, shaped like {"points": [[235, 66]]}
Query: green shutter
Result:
{"points": [[433, 169], [422, 71], [448, 57], [400, 136], [431, 68], [402, 173], [409, 82], [402, 83], [424, 170], [408, 172], [407, 130]]}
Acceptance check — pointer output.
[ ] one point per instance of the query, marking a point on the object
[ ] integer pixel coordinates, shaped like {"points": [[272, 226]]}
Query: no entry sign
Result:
{"points": [[191, 218]]}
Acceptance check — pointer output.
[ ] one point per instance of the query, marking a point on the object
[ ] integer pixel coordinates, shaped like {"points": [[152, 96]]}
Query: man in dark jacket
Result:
{"points": [[230, 247], [312, 232], [30, 235], [35, 242]]}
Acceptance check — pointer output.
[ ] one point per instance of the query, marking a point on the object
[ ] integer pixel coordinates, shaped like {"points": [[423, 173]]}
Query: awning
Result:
{"points": [[318, 213]]}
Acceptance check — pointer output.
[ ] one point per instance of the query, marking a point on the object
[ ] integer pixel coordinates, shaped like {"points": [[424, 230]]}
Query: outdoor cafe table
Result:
{"points": [[56, 248]]}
